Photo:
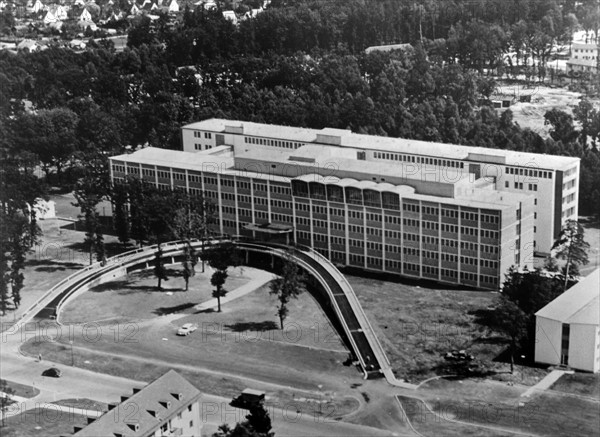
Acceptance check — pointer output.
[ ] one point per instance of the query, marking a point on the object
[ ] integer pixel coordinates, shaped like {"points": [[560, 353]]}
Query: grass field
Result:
{"points": [[585, 384], [82, 403], [244, 340], [136, 297], [24, 391], [43, 422], [500, 405], [417, 325]]}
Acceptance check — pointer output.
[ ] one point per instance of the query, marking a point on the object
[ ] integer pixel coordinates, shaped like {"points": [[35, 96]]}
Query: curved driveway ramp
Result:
{"points": [[354, 322]]}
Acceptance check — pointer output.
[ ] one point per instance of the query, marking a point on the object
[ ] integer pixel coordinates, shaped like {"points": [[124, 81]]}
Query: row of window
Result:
{"points": [[569, 212], [570, 184], [278, 189], [529, 172], [198, 134], [271, 142], [568, 199], [374, 246], [281, 204], [418, 159]]}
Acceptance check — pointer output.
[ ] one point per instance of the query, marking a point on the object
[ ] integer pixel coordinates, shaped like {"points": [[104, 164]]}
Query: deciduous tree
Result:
{"points": [[288, 285], [220, 257]]}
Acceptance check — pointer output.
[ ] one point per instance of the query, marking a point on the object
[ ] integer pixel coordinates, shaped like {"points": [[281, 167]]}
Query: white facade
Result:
{"points": [[553, 180], [567, 329], [584, 57]]}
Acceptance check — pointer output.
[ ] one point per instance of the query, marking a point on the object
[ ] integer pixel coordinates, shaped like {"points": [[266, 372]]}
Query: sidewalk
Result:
{"points": [[545, 383], [260, 278]]}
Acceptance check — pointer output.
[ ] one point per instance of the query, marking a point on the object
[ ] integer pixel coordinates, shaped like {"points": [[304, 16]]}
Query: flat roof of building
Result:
{"points": [[154, 405], [389, 144], [580, 304], [336, 160], [204, 161]]}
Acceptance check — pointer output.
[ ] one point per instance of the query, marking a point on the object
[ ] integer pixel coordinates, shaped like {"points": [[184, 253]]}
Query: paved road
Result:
{"points": [[79, 383]]}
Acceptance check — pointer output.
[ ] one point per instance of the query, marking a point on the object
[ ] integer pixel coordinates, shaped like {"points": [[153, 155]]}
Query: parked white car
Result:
{"points": [[187, 329]]}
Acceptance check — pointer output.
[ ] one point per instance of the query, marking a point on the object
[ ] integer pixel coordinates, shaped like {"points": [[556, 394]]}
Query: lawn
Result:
{"points": [[243, 341], [83, 403], [24, 391], [490, 403], [583, 384], [417, 324], [136, 297], [45, 422]]}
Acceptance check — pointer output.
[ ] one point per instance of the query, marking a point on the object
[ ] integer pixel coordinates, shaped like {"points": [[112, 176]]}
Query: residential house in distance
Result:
{"points": [[406, 48], [37, 7], [29, 45], [453, 214], [173, 7], [85, 15], [584, 57], [568, 328], [55, 13], [168, 406]]}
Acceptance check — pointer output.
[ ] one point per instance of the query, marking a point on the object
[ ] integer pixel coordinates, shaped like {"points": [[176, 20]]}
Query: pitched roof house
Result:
{"points": [[85, 15], [169, 405]]}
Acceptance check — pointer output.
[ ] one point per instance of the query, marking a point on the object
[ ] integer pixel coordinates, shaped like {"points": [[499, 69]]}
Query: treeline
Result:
{"points": [[476, 34], [101, 101], [19, 230]]}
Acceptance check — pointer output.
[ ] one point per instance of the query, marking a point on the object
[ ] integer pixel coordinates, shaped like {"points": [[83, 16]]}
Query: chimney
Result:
{"points": [[112, 406], [136, 390], [90, 420], [124, 398], [178, 396]]}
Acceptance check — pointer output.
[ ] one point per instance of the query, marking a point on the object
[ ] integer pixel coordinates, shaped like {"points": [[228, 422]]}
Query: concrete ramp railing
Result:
{"points": [[353, 320]]}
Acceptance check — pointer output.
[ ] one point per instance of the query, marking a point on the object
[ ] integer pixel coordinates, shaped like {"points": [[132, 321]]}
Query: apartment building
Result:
{"points": [[584, 57], [168, 406], [453, 214]]}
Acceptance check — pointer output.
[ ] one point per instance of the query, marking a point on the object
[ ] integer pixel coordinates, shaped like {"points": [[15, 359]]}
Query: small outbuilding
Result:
{"points": [[567, 329]]}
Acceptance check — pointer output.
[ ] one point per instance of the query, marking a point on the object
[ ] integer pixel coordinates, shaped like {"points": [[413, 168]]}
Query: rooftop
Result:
{"points": [[388, 144], [474, 194], [154, 405], [580, 304]]}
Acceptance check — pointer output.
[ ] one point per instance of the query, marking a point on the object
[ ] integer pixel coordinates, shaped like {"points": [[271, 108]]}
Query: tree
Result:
{"points": [[51, 135], [5, 400], [562, 125], [571, 247], [120, 213], [190, 259], [160, 271], [189, 222], [4, 282], [257, 424], [288, 285], [510, 320], [220, 257]]}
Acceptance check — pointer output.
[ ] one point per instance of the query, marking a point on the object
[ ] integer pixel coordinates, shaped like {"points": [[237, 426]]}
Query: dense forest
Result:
{"points": [[298, 63]]}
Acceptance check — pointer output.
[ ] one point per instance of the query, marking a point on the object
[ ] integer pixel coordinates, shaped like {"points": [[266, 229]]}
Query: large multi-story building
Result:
{"points": [[449, 213]]}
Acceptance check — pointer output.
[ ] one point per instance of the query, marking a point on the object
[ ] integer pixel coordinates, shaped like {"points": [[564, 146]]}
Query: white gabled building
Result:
{"points": [[567, 329], [173, 7], [85, 15]]}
